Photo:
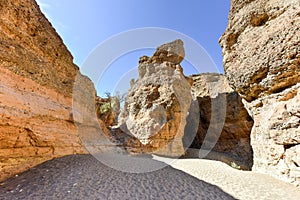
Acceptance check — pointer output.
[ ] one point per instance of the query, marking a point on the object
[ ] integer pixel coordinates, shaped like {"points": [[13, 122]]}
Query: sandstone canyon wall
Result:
{"points": [[36, 84], [261, 49], [232, 138]]}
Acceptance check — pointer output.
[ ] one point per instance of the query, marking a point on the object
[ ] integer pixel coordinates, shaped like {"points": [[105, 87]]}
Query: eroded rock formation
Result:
{"points": [[157, 104], [231, 130], [36, 86], [262, 62]]}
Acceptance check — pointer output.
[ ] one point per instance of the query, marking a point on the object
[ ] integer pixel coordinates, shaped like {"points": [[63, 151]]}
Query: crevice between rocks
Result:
{"points": [[288, 146]]}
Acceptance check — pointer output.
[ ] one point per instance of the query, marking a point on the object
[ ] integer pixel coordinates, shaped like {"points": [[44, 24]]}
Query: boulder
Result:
{"points": [[262, 62], [158, 102]]}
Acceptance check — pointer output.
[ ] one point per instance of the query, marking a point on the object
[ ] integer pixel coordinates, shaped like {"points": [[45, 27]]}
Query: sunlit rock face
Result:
{"points": [[262, 62], [157, 104], [36, 85]]}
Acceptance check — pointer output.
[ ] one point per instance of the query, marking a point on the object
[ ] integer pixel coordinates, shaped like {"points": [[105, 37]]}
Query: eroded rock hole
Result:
{"points": [[259, 19]]}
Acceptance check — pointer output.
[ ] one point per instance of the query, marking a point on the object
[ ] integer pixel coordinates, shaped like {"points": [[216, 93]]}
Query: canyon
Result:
{"points": [[47, 106]]}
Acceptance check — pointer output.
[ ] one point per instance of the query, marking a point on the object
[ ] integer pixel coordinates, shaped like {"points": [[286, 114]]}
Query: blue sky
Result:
{"points": [[85, 24]]}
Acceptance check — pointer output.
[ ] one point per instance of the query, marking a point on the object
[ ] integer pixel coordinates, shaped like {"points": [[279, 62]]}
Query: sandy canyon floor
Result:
{"points": [[84, 177]]}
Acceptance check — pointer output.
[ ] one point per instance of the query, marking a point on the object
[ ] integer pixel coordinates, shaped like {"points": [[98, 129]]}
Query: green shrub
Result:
{"points": [[104, 108]]}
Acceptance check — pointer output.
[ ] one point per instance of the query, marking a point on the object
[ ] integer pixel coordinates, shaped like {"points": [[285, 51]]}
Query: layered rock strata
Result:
{"points": [[262, 62], [37, 75]]}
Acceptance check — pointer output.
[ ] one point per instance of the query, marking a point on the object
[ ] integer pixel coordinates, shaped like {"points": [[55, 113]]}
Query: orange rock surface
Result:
{"points": [[37, 75]]}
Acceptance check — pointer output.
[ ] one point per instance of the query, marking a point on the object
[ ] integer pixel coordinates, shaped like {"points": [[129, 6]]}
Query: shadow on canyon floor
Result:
{"points": [[82, 176]]}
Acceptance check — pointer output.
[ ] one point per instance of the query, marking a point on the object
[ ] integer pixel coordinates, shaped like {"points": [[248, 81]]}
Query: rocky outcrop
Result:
{"points": [[36, 86], [262, 62], [157, 104], [211, 90]]}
